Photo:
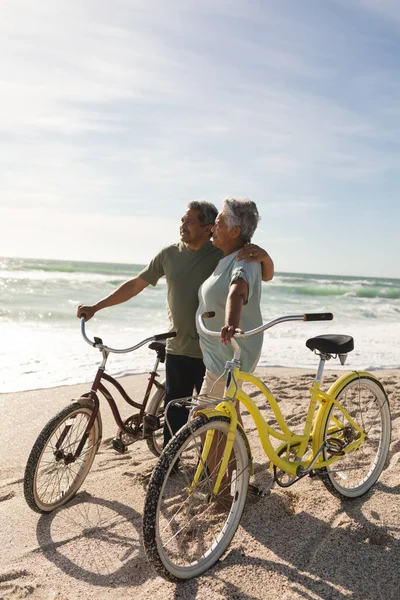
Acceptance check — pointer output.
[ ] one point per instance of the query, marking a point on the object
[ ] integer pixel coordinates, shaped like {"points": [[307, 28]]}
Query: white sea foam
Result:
{"points": [[41, 345]]}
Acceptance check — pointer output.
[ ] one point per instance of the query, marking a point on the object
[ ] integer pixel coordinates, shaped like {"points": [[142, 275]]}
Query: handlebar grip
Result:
{"points": [[165, 336], [318, 317], [208, 315]]}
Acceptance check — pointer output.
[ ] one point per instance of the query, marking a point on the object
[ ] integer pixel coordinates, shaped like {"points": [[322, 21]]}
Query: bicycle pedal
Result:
{"points": [[151, 423], [119, 446], [254, 490], [334, 446]]}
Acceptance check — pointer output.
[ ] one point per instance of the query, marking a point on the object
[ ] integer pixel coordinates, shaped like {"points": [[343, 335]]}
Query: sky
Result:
{"points": [[114, 115]]}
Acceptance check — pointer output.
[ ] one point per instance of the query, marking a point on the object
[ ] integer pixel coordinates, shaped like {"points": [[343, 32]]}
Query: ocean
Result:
{"points": [[41, 345]]}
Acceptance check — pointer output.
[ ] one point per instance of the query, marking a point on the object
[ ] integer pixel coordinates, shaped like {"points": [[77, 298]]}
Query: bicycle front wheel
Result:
{"points": [[53, 474], [185, 528], [356, 471]]}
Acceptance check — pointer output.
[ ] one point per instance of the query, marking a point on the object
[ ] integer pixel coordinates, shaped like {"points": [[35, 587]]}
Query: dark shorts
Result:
{"points": [[183, 374]]}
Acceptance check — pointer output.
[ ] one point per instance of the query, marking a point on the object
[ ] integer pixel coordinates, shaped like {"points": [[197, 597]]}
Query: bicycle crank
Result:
{"points": [[126, 438], [282, 478]]}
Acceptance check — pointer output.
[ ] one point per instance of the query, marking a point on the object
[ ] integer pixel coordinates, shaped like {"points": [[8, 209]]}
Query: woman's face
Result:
{"points": [[221, 232]]}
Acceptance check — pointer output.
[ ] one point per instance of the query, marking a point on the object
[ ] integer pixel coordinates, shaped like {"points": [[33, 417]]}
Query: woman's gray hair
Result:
{"points": [[243, 213], [207, 211]]}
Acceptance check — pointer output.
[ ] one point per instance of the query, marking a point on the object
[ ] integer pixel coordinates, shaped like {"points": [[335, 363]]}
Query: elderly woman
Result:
{"points": [[233, 292]]}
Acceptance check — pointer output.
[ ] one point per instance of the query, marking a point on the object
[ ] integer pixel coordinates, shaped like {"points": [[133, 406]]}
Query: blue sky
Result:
{"points": [[115, 114]]}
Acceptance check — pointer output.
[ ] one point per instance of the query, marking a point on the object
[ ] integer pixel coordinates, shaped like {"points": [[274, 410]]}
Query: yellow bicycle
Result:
{"points": [[198, 489]]}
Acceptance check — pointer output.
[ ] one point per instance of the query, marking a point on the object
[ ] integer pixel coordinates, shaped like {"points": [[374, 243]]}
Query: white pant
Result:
{"points": [[208, 382]]}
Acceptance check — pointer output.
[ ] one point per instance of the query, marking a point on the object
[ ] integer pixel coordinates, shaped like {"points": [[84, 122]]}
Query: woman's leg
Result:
{"points": [[217, 449]]}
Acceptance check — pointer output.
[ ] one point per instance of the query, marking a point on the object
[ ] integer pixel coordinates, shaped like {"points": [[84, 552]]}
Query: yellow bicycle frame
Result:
{"points": [[313, 429]]}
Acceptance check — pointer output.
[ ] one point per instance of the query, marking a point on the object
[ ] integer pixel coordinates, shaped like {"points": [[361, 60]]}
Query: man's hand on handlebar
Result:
{"points": [[227, 332], [85, 311]]}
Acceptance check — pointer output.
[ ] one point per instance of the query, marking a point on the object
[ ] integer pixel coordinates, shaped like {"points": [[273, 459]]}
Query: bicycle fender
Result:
{"points": [[334, 391], [86, 400], [155, 399], [337, 387], [211, 412]]}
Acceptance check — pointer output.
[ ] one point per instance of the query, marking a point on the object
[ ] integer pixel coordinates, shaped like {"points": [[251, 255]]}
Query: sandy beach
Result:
{"points": [[297, 543]]}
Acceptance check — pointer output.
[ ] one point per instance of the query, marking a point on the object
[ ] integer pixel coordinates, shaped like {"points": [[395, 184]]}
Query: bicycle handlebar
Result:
{"points": [[261, 328], [98, 343], [318, 317]]}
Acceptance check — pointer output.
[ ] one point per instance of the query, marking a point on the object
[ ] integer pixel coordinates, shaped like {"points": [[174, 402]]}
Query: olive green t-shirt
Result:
{"points": [[185, 270]]}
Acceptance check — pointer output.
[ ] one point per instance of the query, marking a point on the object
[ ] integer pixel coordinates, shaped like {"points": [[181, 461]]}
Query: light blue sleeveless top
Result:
{"points": [[212, 297]]}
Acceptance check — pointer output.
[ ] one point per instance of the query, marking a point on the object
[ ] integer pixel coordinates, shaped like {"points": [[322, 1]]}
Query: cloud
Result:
{"points": [[36, 232], [386, 8], [136, 107]]}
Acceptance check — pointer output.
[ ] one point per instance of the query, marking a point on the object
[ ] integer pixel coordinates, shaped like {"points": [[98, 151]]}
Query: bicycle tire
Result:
{"points": [[50, 480], [356, 472], [155, 442], [202, 530]]}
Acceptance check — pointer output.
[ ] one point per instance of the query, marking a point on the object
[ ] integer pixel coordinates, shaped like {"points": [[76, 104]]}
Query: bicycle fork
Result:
{"points": [[224, 407]]}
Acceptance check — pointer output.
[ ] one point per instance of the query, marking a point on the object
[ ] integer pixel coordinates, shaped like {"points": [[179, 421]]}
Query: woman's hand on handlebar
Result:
{"points": [[227, 332], [85, 311]]}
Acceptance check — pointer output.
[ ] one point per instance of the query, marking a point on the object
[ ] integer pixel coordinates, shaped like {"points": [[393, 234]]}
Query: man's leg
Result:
{"points": [[182, 374]]}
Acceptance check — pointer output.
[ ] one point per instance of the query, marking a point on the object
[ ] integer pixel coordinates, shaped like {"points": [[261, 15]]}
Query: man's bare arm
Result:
{"points": [[124, 292], [253, 253]]}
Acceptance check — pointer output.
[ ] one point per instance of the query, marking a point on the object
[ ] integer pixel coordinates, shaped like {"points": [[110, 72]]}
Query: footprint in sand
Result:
{"points": [[369, 533], [395, 415], [106, 464], [380, 538], [292, 500], [6, 495], [14, 574], [22, 591], [284, 394], [295, 420], [142, 477]]}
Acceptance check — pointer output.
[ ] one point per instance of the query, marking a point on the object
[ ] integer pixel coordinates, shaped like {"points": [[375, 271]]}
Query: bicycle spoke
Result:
{"points": [[366, 404], [53, 473], [192, 522]]}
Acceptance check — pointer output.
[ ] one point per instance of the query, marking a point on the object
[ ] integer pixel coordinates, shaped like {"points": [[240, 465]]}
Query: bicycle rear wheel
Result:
{"points": [[52, 474], [185, 530], [356, 472], [155, 442]]}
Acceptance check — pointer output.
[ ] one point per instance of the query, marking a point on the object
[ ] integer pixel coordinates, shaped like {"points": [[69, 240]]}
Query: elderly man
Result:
{"points": [[185, 265]]}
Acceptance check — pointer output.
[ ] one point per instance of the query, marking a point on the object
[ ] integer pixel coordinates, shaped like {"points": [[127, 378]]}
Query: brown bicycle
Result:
{"points": [[65, 449]]}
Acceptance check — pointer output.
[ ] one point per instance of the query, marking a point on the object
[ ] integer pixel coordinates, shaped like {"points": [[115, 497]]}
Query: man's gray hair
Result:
{"points": [[207, 211], [243, 213]]}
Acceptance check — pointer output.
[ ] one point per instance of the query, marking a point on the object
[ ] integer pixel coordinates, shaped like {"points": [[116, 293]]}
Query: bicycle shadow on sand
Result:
{"points": [[95, 540], [300, 584], [348, 550]]}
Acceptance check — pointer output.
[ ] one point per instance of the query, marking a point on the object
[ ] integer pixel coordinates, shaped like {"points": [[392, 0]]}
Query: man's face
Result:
{"points": [[191, 230]]}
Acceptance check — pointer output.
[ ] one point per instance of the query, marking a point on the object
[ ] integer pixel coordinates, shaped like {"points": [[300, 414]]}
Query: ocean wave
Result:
{"points": [[360, 292], [61, 266], [23, 278], [54, 276], [337, 280], [24, 315], [369, 314]]}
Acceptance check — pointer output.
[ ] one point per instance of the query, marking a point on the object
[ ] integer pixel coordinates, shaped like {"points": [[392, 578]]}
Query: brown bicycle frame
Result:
{"points": [[98, 386]]}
